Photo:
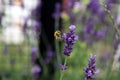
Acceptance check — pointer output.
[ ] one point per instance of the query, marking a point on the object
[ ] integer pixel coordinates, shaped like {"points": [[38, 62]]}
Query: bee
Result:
{"points": [[57, 35]]}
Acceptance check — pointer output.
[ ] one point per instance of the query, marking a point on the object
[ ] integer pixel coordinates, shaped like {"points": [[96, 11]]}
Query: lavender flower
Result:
{"points": [[33, 54], [91, 70], [63, 67], [36, 11], [36, 25], [94, 6], [100, 34], [49, 55], [37, 28], [91, 33], [36, 71], [89, 29], [69, 6], [109, 3], [56, 13], [69, 39]]}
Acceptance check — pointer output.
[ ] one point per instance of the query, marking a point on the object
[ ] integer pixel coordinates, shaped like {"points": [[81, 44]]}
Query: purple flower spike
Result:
{"points": [[33, 54], [94, 6], [69, 39], [101, 34], [36, 71], [34, 50], [91, 70]]}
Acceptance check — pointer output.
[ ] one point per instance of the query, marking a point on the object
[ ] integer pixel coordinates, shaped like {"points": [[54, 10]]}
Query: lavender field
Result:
{"points": [[59, 40]]}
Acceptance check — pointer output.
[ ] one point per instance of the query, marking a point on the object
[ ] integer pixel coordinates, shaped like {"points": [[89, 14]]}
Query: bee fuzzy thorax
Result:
{"points": [[57, 35]]}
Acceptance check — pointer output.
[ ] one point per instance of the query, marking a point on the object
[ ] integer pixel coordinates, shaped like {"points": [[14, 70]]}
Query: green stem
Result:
{"points": [[65, 62], [111, 18], [57, 52], [61, 76], [118, 33], [45, 70]]}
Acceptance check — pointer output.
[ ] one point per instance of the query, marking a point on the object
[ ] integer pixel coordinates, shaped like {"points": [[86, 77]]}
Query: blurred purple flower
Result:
{"points": [[69, 39], [91, 70], [36, 71], [89, 29], [36, 25], [94, 6], [72, 17], [109, 3], [36, 12], [91, 34], [49, 55], [69, 6], [33, 54], [25, 24], [36, 28], [56, 13], [100, 34], [63, 67], [96, 9], [34, 50]]}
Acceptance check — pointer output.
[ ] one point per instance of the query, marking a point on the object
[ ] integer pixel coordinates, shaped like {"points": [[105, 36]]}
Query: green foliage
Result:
{"points": [[15, 65]]}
